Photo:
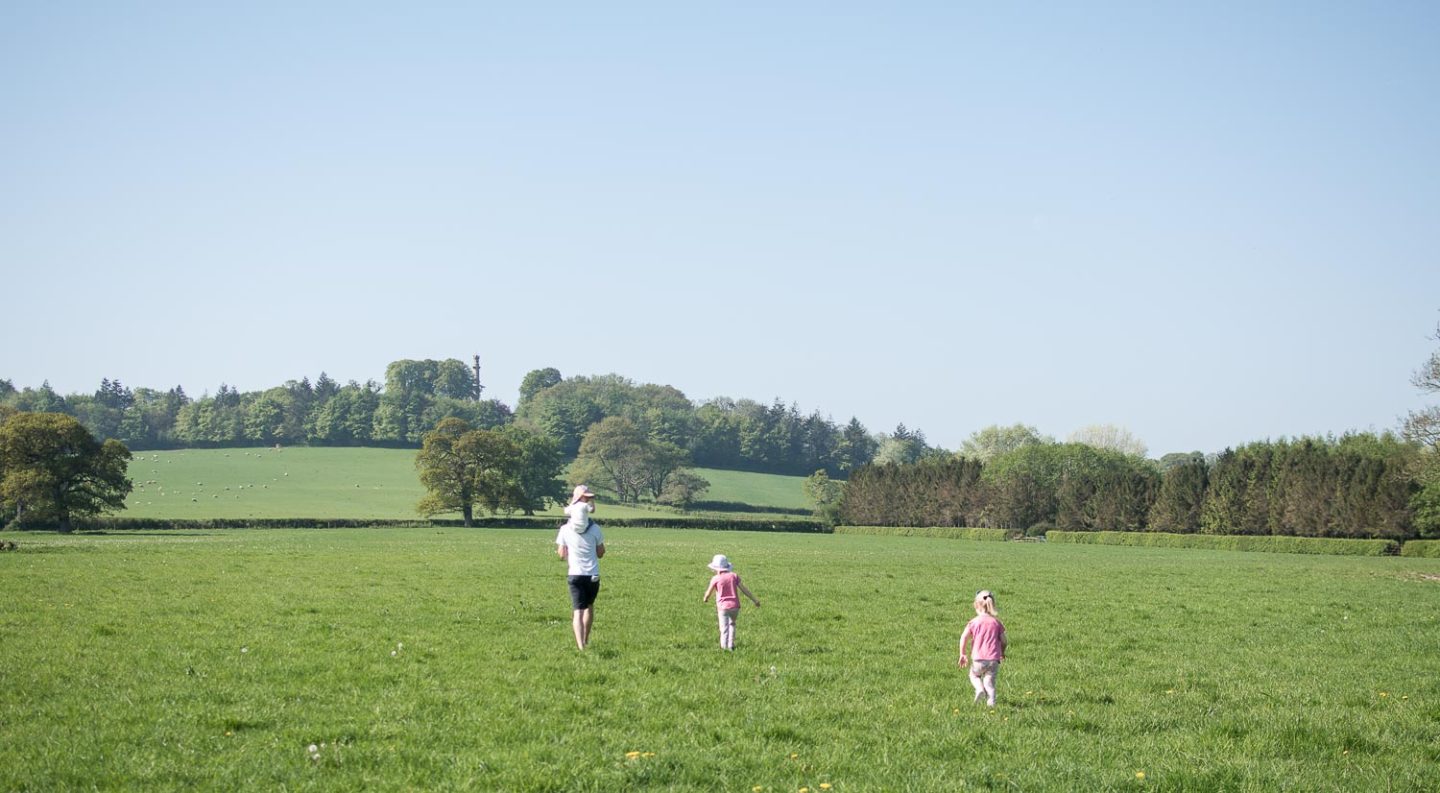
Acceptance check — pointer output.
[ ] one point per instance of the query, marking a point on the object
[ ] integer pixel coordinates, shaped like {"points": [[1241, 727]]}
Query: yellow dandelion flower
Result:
{"points": [[631, 755], [793, 755], [757, 789], [1169, 691], [648, 754], [804, 790], [1346, 752], [1404, 696], [824, 785], [1384, 693], [1139, 774]]}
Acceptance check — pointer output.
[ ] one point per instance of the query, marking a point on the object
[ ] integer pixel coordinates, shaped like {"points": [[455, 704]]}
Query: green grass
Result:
{"points": [[771, 490], [214, 660], [305, 482]]}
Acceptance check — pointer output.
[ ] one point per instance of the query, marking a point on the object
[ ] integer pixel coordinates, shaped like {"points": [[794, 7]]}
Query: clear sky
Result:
{"points": [[1210, 224]]}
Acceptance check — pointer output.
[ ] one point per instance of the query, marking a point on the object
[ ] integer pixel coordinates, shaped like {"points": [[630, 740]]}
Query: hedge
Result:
{"points": [[1425, 549], [1231, 542], [947, 532], [517, 522]]}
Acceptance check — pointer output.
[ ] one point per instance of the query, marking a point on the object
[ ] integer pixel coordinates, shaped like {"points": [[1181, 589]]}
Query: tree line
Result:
{"points": [[1359, 485], [416, 395]]}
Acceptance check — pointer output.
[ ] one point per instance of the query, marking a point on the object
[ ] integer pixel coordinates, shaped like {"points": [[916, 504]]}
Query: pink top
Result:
{"points": [[726, 587], [989, 637]]}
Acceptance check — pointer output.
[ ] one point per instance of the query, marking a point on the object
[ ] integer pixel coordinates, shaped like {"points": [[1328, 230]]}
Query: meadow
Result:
{"points": [[318, 482], [441, 659]]}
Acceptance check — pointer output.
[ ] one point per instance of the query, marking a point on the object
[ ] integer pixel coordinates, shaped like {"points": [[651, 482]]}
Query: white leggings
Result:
{"points": [[982, 677], [727, 627]]}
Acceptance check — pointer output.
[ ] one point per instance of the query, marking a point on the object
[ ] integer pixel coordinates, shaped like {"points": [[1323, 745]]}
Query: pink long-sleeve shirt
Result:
{"points": [[989, 637]]}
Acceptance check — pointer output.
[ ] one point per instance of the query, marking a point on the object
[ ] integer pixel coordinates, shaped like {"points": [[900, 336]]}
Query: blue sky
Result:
{"points": [[1208, 223]]}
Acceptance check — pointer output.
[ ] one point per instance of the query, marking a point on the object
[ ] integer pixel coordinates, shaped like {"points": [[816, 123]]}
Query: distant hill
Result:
{"points": [[321, 482]]}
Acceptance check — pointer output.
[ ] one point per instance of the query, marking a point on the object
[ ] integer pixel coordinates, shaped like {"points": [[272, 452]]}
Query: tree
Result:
{"points": [[535, 381], [1423, 427], [683, 488], [618, 455], [53, 469], [537, 478], [325, 388], [990, 442], [1110, 436], [1181, 496], [348, 417], [855, 447], [901, 447], [825, 494], [462, 467], [612, 455], [411, 387]]}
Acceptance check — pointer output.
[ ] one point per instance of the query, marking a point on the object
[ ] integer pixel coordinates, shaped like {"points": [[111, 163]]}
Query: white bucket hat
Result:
{"points": [[719, 563]]}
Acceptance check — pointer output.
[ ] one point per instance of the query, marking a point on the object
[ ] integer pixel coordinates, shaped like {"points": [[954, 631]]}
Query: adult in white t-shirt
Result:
{"points": [[581, 545]]}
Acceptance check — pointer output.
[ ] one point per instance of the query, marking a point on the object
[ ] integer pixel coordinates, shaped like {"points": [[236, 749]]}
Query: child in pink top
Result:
{"points": [[726, 586], [988, 646]]}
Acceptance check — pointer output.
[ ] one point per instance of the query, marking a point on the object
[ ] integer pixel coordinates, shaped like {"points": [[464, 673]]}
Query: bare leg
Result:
{"points": [[989, 681], [978, 685], [581, 629], [586, 621]]}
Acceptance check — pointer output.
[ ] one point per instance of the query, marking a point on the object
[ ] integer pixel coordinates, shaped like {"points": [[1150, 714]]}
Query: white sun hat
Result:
{"points": [[719, 563]]}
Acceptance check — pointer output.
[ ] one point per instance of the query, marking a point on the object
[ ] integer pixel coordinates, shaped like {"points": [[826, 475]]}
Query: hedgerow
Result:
{"points": [[1231, 542], [1426, 549], [518, 522], [947, 532]]}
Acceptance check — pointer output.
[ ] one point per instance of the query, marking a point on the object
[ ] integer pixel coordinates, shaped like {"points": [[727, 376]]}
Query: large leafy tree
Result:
{"points": [[412, 388], [53, 469], [990, 442], [1110, 436], [613, 455], [537, 380], [461, 467], [619, 455], [537, 477]]}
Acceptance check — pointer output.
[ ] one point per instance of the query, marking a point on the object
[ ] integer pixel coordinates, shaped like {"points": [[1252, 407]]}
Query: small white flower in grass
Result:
{"points": [[392, 653], [313, 749], [244, 649]]}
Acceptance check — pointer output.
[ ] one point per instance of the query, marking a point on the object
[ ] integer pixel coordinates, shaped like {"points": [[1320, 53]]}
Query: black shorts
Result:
{"points": [[583, 589]]}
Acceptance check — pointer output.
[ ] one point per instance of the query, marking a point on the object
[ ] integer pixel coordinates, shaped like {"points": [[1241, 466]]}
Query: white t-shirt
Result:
{"points": [[580, 543]]}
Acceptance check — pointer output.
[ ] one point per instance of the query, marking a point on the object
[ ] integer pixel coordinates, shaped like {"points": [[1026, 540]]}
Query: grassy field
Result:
{"points": [[302, 482], [441, 659]]}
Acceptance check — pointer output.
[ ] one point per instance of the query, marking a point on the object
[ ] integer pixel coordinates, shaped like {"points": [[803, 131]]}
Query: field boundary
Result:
{"points": [[1422, 549], [943, 532], [514, 522], [1331, 546]]}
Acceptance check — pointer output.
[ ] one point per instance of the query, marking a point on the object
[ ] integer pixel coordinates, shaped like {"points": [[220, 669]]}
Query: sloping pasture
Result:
{"points": [[319, 482]]}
